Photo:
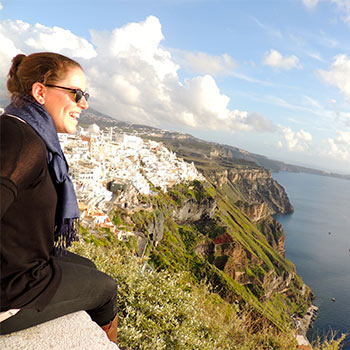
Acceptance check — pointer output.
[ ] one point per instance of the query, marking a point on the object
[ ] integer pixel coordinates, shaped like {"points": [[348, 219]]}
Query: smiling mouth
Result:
{"points": [[74, 115]]}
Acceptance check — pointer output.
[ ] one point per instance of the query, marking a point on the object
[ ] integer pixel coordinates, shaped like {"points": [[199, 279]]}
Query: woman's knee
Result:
{"points": [[111, 284], [112, 292], [107, 308]]}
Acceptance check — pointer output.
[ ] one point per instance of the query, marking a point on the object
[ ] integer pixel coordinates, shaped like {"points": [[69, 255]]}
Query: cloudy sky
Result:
{"points": [[269, 76]]}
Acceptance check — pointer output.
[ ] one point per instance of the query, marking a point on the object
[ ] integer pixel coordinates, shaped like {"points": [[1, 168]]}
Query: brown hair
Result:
{"points": [[41, 67]]}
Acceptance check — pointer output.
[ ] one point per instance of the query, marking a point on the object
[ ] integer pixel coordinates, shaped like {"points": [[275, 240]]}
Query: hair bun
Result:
{"points": [[16, 61]]}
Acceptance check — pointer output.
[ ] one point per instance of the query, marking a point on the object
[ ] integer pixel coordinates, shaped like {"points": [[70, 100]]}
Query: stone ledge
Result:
{"points": [[75, 331], [303, 343]]}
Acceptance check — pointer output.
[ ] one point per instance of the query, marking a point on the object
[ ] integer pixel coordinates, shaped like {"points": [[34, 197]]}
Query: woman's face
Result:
{"points": [[61, 104]]}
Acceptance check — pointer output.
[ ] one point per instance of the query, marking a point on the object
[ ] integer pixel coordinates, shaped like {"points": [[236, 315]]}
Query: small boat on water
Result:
{"points": [[334, 299]]}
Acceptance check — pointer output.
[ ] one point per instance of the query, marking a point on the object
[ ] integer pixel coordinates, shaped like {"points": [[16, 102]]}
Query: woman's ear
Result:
{"points": [[38, 92]]}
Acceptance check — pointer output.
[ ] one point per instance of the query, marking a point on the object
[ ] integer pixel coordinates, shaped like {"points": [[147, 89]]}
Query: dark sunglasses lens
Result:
{"points": [[79, 95]]}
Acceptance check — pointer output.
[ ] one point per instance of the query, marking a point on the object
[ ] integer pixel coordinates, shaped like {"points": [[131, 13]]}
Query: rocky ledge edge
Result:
{"points": [[74, 331], [303, 325]]}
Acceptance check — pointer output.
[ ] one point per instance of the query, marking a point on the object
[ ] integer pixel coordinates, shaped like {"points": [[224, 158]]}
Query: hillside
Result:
{"points": [[189, 147], [199, 274], [199, 229], [189, 142], [216, 233], [220, 230]]}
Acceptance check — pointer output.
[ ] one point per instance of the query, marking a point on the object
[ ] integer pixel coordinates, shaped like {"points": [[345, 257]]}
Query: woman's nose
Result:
{"points": [[83, 104]]}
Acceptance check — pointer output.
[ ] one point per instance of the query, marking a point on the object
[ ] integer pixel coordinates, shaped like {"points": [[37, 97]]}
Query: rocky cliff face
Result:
{"points": [[189, 212], [193, 210], [257, 193], [258, 196], [245, 267], [225, 236], [255, 211], [228, 237]]}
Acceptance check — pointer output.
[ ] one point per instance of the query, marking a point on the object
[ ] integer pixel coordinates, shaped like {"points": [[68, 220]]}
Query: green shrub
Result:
{"points": [[161, 310]]}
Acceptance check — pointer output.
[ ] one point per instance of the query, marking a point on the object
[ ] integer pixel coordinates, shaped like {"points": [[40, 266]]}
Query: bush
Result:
{"points": [[163, 310], [160, 310]]}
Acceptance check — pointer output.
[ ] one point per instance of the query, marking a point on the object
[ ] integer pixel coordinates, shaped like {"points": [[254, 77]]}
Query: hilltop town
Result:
{"points": [[109, 169]]}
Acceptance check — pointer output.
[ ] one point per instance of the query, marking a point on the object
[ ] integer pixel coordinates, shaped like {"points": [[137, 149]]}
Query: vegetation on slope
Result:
{"points": [[161, 310], [212, 281], [245, 253]]}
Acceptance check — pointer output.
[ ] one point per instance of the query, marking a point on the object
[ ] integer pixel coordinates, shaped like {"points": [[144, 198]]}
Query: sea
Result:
{"points": [[318, 243]]}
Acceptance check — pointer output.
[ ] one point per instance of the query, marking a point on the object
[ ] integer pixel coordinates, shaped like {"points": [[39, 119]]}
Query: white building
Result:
{"points": [[95, 159]]}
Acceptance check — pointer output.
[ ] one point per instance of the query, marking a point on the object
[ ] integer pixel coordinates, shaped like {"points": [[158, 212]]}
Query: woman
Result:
{"points": [[39, 211]]}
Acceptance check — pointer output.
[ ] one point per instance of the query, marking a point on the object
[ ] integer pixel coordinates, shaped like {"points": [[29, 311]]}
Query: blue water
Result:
{"points": [[318, 243]]}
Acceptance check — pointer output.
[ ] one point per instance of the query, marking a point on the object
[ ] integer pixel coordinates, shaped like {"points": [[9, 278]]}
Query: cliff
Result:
{"points": [[221, 231], [252, 189], [189, 144], [257, 186], [258, 196], [197, 227], [241, 181]]}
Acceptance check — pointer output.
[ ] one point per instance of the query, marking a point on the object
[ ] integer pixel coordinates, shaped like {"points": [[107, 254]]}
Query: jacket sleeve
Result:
{"points": [[8, 193], [20, 159]]}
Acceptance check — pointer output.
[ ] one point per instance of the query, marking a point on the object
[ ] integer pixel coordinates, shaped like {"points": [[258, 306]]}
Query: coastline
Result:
{"points": [[303, 325], [307, 321]]}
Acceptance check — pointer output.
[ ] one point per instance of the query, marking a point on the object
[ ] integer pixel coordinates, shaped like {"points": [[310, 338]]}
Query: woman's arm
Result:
{"points": [[8, 193], [21, 158]]}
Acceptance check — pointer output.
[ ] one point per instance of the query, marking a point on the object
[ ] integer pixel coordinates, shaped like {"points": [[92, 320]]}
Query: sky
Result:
{"points": [[269, 76]]}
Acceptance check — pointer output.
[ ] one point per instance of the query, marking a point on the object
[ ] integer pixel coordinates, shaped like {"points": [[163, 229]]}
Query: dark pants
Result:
{"points": [[83, 287]]}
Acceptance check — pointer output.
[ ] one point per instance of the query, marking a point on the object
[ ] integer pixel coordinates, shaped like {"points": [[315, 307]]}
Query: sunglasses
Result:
{"points": [[78, 94]]}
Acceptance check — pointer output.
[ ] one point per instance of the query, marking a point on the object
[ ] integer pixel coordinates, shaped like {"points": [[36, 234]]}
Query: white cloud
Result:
{"points": [[7, 51], [203, 63], [1, 6], [346, 118], [295, 141], [135, 44], [268, 28], [260, 123], [339, 147], [310, 106], [203, 106], [275, 59], [315, 55], [310, 3], [59, 40], [20, 37], [133, 78], [312, 102], [344, 7], [343, 138], [338, 74]]}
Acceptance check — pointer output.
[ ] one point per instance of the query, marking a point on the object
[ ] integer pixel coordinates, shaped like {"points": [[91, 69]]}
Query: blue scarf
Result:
{"points": [[67, 211]]}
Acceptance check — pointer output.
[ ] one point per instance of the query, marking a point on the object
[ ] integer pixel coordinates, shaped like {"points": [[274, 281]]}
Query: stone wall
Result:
{"points": [[75, 331]]}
